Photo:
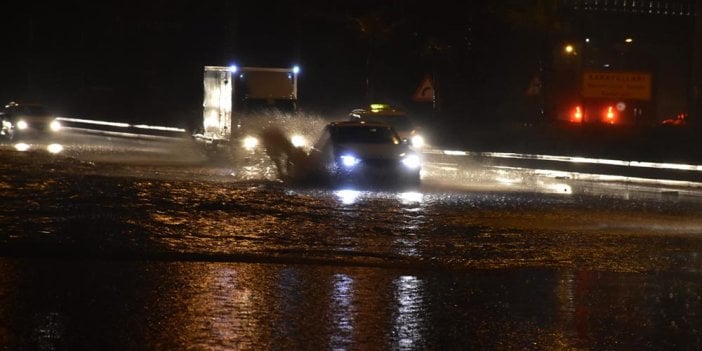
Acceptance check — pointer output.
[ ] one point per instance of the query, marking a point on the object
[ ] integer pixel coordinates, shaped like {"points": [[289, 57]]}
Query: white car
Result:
{"points": [[366, 152]]}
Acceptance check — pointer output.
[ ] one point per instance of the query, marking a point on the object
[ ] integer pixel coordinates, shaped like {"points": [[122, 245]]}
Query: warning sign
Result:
{"points": [[425, 91], [617, 85]]}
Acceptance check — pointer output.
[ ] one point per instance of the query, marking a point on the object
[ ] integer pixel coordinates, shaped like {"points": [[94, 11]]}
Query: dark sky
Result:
{"points": [[143, 61]]}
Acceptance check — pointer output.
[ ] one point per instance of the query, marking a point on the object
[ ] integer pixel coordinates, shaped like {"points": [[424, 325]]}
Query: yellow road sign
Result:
{"points": [[616, 85]]}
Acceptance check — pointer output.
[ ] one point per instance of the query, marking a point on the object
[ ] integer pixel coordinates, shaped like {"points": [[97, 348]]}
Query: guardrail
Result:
{"points": [[621, 170]]}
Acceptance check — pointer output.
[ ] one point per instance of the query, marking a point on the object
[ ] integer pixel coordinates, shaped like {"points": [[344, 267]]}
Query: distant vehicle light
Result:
{"points": [[233, 68], [22, 125], [610, 115], [54, 148], [55, 126], [298, 141], [21, 147], [417, 141], [349, 161], [250, 142], [411, 161], [296, 69], [577, 115]]}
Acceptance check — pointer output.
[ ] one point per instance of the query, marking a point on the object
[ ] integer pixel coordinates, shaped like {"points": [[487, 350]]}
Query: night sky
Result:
{"points": [[143, 61]]}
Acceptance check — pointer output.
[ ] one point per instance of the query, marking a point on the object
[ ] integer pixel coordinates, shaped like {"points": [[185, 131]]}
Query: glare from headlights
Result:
{"points": [[417, 141], [298, 141], [54, 148], [347, 196], [349, 161], [55, 125], [21, 147], [22, 125], [411, 161], [250, 143]]}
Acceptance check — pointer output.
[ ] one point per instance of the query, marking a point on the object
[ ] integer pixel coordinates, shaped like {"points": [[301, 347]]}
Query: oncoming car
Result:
{"points": [[396, 118], [28, 121], [367, 152]]}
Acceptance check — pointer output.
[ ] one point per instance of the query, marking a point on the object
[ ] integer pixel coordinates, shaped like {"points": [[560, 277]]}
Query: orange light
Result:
{"points": [[610, 115], [577, 115]]}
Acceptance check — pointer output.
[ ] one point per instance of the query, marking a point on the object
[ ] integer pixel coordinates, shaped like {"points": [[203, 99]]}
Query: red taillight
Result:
{"points": [[610, 115], [577, 115]]}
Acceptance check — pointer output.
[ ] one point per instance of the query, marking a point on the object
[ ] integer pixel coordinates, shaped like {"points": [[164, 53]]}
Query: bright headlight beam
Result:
{"points": [[349, 160], [250, 142], [55, 126], [22, 125], [417, 141], [298, 141], [411, 161]]}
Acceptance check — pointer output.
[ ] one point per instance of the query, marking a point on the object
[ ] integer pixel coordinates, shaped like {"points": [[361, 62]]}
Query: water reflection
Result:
{"points": [[347, 196], [49, 305], [409, 318], [342, 317], [411, 198]]}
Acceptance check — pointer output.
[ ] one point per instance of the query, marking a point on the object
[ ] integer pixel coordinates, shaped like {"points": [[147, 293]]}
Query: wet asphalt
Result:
{"points": [[153, 255]]}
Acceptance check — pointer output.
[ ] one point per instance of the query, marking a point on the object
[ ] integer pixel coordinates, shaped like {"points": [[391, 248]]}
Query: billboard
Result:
{"points": [[616, 85]]}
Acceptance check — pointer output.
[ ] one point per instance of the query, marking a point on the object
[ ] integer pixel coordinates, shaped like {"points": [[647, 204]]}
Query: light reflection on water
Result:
{"points": [[215, 306], [409, 317], [342, 312]]}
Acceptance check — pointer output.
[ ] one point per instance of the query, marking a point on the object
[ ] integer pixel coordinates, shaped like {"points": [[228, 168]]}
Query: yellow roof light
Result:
{"points": [[378, 107]]}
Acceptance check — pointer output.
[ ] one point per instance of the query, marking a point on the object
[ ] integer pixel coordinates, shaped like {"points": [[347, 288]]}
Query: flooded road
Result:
{"points": [[132, 255]]}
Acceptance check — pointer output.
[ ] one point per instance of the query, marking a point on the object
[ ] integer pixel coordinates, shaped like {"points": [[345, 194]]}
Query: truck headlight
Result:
{"points": [[349, 161], [22, 125], [411, 161], [250, 143]]}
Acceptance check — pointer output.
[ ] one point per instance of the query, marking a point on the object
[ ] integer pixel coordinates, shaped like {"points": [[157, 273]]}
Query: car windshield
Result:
{"points": [[364, 134], [399, 122]]}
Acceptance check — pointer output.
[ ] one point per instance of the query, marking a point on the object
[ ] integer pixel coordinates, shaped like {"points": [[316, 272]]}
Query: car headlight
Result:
{"points": [[22, 125], [349, 160], [411, 161], [55, 126], [298, 140], [250, 142], [417, 141]]}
